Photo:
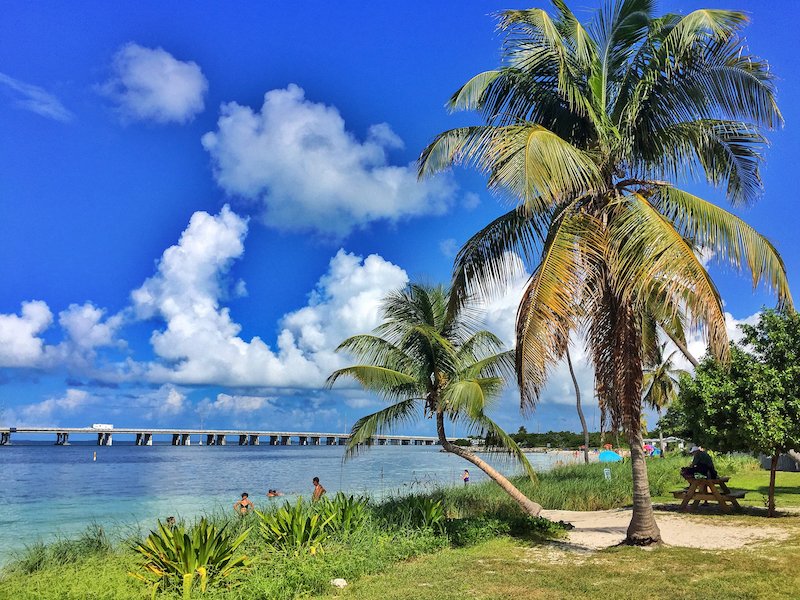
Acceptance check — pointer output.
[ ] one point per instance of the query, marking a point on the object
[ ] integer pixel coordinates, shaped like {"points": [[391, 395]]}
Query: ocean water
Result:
{"points": [[50, 491]]}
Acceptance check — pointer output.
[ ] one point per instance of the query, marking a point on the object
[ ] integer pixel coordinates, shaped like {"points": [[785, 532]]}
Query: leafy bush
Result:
{"points": [[297, 528], [462, 442], [423, 512], [345, 514], [175, 555], [474, 530]]}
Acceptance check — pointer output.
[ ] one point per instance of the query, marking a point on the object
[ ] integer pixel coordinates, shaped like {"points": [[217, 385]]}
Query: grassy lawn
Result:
{"points": [[509, 568]]}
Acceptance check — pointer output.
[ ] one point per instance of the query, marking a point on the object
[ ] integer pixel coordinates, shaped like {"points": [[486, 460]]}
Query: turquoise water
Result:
{"points": [[49, 491]]}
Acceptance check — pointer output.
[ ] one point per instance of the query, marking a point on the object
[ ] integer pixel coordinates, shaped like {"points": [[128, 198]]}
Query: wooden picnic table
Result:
{"points": [[715, 490]]}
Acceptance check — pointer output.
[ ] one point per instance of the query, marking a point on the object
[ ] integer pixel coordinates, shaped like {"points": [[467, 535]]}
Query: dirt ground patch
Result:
{"points": [[604, 528]]}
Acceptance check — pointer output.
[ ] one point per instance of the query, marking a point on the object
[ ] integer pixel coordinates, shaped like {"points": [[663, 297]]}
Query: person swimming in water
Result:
{"points": [[273, 493], [318, 490], [244, 505]]}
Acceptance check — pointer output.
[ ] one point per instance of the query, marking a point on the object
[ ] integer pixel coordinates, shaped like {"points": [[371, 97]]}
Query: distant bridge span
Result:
{"points": [[212, 437]]}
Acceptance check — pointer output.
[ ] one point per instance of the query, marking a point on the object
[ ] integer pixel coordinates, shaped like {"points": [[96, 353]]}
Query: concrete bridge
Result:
{"points": [[211, 437]]}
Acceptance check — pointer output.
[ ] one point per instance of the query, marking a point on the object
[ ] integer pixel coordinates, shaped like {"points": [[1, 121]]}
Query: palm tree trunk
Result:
{"points": [[661, 434], [527, 505], [642, 530], [580, 410], [682, 347]]}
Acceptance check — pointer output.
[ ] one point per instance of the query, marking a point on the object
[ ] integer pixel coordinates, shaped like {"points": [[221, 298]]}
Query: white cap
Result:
{"points": [[694, 449]]}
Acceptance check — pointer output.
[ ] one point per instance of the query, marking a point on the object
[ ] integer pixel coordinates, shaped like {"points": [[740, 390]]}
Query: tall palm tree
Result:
{"points": [[429, 361], [581, 416], [660, 384], [587, 128]]}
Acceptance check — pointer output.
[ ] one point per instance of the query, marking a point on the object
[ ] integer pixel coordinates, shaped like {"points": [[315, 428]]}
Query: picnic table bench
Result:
{"points": [[715, 490]]}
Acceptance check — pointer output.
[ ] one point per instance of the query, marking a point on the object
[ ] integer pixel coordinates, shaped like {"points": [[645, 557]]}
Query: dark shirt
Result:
{"points": [[702, 459]]}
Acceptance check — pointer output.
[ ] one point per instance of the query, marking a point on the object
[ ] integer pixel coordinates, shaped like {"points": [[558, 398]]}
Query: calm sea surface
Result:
{"points": [[49, 491]]}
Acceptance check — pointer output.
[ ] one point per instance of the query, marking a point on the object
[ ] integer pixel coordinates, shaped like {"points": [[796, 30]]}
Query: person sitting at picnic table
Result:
{"points": [[702, 464]]}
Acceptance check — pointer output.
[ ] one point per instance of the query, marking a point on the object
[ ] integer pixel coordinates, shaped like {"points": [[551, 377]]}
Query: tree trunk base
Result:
{"points": [[637, 541]]}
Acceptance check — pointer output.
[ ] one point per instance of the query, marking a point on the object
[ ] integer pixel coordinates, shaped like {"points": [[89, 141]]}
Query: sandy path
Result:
{"points": [[604, 528]]}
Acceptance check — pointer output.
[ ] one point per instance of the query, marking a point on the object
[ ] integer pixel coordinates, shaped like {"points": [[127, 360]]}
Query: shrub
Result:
{"points": [[298, 528], [345, 514], [176, 556]]}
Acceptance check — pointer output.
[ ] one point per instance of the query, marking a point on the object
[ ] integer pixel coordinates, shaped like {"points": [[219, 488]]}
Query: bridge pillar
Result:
{"points": [[404, 442], [315, 441], [429, 442], [220, 440], [302, 440], [211, 439], [286, 440], [5, 438], [62, 438], [341, 441], [186, 439], [330, 441], [242, 440], [104, 438], [381, 441], [273, 440], [176, 439], [254, 441], [139, 439]]}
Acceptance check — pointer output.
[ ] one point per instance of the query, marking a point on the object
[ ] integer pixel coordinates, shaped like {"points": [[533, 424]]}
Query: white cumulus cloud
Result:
{"points": [[86, 326], [73, 400], [308, 172], [20, 344], [149, 84], [200, 343], [239, 403]]}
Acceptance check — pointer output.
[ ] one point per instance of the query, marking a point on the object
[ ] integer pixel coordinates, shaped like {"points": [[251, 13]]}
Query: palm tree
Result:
{"points": [[660, 384], [587, 129], [584, 428], [426, 357]]}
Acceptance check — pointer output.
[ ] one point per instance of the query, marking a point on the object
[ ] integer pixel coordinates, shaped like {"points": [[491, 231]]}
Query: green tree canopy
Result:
{"points": [[751, 404]]}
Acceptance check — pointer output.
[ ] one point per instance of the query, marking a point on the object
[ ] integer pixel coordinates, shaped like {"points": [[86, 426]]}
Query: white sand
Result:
{"points": [[603, 528]]}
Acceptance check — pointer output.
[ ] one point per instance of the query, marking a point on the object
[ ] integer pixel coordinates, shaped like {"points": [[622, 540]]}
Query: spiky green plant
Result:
{"points": [[588, 127], [346, 514], [296, 528], [202, 554]]}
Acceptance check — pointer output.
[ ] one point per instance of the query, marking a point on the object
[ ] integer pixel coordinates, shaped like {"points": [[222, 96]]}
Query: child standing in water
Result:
{"points": [[465, 477]]}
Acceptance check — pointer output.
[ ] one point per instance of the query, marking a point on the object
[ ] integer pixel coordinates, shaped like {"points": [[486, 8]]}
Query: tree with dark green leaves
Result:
{"points": [[751, 404], [428, 361], [588, 128]]}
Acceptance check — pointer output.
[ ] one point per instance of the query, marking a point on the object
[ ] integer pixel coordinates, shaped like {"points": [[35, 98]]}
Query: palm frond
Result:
{"points": [[367, 427], [549, 308], [651, 257], [729, 237], [385, 382]]}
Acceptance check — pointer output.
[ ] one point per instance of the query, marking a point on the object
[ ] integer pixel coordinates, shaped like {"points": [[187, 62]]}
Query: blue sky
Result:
{"points": [[198, 204]]}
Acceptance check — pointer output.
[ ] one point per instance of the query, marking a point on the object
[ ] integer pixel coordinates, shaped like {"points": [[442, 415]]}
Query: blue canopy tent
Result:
{"points": [[609, 456]]}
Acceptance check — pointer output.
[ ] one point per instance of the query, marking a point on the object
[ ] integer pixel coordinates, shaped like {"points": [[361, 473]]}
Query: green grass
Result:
{"points": [[90, 567], [507, 568]]}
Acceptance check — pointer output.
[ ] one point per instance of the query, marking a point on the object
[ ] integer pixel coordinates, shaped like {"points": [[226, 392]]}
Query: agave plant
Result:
{"points": [[346, 514], [204, 553], [296, 528]]}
